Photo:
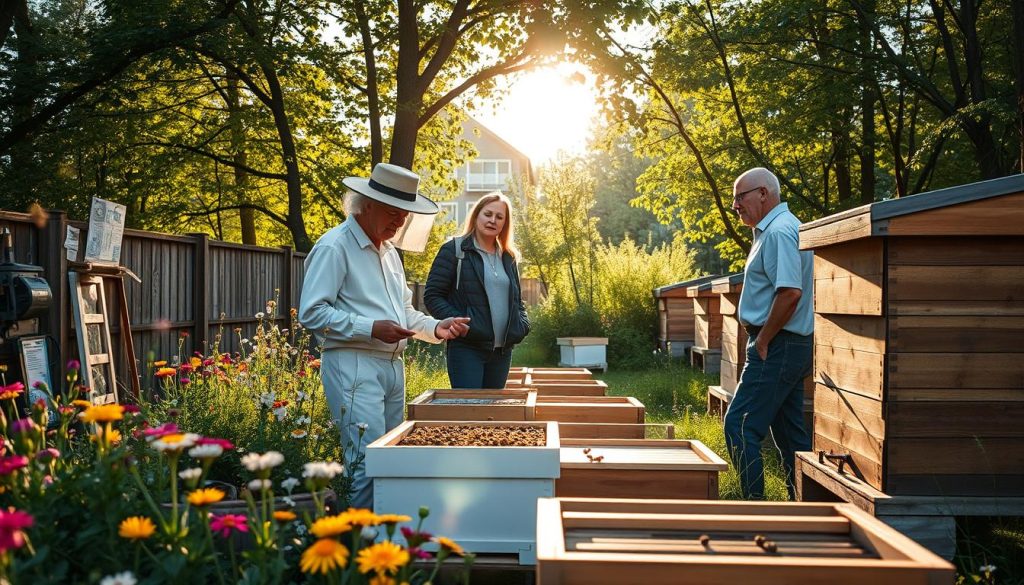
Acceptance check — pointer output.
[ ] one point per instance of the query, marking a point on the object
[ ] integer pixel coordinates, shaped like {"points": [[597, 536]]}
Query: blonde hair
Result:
{"points": [[506, 239]]}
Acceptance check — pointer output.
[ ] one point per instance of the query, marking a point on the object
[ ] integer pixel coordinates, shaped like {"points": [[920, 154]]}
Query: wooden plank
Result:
{"points": [[956, 394], [708, 331], [615, 431], [956, 485], [955, 370], [981, 308], [851, 370], [854, 225], [864, 467], [707, 305], [955, 333], [854, 410], [730, 304], [708, 522], [639, 483], [857, 332], [953, 456], [956, 251], [975, 420], [996, 215], [953, 283], [730, 376], [848, 278], [849, 436]]}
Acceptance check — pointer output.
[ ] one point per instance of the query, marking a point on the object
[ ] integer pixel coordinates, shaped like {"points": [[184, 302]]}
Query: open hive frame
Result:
{"points": [[599, 541], [426, 406]]}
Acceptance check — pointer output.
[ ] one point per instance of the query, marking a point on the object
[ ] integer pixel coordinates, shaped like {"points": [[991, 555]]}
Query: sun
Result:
{"points": [[544, 111]]}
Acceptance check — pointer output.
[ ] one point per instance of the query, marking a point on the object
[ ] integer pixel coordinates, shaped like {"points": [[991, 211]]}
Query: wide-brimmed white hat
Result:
{"points": [[395, 186]]}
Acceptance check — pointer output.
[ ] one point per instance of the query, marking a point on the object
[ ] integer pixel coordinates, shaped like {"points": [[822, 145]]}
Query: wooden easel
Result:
{"points": [[92, 328]]}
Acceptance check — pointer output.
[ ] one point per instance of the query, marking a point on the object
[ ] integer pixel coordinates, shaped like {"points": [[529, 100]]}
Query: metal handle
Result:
{"points": [[840, 459]]}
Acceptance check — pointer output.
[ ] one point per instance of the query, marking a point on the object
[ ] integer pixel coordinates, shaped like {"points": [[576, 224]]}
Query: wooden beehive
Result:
{"points": [[612, 541], [590, 409], [473, 405], [630, 468], [706, 353], [616, 431], [560, 374], [919, 340], [569, 388], [734, 342], [675, 315]]}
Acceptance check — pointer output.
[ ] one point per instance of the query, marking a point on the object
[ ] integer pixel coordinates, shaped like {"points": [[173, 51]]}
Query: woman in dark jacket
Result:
{"points": [[476, 275]]}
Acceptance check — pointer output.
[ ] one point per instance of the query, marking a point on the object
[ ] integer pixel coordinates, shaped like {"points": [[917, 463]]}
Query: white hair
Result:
{"points": [[761, 177], [354, 203]]}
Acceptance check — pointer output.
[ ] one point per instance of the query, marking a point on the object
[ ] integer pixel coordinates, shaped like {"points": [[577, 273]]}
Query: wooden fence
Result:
{"points": [[193, 288]]}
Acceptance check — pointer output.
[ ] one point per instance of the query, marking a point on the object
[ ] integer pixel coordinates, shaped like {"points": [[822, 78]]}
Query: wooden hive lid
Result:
{"points": [[678, 289], [986, 208], [728, 284]]}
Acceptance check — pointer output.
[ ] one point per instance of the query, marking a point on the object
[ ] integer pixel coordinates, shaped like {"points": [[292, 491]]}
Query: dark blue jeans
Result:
{"points": [[770, 396], [471, 367]]}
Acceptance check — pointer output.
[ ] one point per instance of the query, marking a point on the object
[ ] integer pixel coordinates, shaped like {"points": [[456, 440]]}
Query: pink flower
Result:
{"points": [[24, 425], [225, 359], [12, 463], [11, 390], [12, 522], [184, 381], [227, 523], [224, 443], [164, 429], [131, 408], [419, 553], [185, 367], [47, 455], [74, 364], [414, 538]]}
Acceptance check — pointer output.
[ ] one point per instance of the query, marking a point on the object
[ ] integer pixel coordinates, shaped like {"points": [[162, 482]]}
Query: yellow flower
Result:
{"points": [[284, 516], [160, 363], [103, 413], [393, 518], [360, 517], [383, 557], [449, 544], [81, 403], [330, 526], [205, 497], [324, 556], [165, 372], [136, 528], [196, 362], [382, 580]]}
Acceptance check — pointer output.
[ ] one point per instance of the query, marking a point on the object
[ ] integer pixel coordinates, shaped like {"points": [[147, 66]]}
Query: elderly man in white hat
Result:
{"points": [[356, 301]]}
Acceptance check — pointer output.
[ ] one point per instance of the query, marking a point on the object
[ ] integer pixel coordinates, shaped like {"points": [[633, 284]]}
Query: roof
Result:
{"points": [[726, 284], [661, 290], [877, 219], [471, 121]]}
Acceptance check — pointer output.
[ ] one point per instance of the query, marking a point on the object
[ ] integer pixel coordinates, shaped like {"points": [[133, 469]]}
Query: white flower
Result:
{"points": [[987, 568], [300, 396], [257, 485], [260, 315], [174, 442], [290, 484], [281, 413], [258, 462], [125, 578], [210, 451], [268, 399], [290, 503], [191, 474], [245, 340], [302, 420], [322, 469], [362, 426]]}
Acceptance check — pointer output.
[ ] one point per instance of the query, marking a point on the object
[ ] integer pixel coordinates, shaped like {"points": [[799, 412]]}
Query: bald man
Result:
{"points": [[776, 309]]}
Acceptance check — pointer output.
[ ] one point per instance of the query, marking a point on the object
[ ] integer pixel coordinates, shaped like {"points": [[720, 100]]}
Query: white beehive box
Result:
{"points": [[583, 352], [485, 498]]}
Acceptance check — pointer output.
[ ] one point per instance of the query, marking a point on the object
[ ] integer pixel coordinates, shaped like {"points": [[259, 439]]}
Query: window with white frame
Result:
{"points": [[488, 174], [469, 208], [449, 211]]}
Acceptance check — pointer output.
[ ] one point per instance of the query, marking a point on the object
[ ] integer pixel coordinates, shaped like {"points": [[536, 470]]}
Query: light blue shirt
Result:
{"points": [[349, 284], [775, 261]]}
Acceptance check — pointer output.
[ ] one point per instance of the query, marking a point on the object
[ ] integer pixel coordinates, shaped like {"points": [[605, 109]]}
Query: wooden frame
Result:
{"points": [[92, 330], [615, 431], [651, 468], [560, 374], [569, 387], [425, 406], [601, 541], [590, 409]]}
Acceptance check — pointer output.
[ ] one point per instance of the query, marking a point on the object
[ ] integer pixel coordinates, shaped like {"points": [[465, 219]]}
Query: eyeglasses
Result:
{"points": [[740, 195]]}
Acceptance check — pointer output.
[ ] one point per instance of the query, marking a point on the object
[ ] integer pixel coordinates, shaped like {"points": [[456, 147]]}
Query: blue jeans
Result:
{"points": [[770, 396], [471, 367]]}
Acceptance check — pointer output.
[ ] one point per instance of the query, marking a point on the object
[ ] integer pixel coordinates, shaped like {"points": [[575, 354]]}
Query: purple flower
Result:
{"points": [[24, 425], [74, 364]]}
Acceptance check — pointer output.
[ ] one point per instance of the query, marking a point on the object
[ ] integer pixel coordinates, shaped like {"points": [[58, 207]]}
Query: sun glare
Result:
{"points": [[544, 111]]}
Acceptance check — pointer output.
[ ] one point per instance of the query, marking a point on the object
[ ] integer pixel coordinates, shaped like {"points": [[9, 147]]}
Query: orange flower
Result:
{"points": [[360, 517], [324, 556], [136, 528], [383, 557], [165, 372], [160, 363], [284, 515], [205, 497]]}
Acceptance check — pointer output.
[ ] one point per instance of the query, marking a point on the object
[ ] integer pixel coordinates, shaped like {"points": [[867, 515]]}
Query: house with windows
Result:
{"points": [[497, 167]]}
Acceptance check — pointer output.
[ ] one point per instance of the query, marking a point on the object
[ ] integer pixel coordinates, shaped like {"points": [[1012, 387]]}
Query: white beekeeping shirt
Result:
{"points": [[349, 284]]}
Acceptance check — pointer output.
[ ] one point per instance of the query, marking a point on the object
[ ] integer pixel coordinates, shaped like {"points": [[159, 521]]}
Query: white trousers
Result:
{"points": [[362, 387]]}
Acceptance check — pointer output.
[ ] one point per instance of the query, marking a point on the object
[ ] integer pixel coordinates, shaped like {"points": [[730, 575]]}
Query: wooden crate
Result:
{"points": [[609, 541], [590, 409], [919, 340], [569, 388], [652, 468], [560, 374], [473, 405], [482, 497], [616, 431]]}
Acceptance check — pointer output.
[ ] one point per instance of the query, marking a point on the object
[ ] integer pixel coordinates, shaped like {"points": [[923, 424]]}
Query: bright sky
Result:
{"points": [[544, 111]]}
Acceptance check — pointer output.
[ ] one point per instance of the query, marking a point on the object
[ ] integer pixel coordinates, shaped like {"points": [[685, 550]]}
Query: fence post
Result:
{"points": [[288, 280], [200, 306], [55, 267]]}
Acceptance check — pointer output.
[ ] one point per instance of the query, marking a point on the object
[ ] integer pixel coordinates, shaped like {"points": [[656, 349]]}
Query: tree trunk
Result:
{"points": [[296, 224], [867, 105], [409, 96], [25, 92], [246, 215]]}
